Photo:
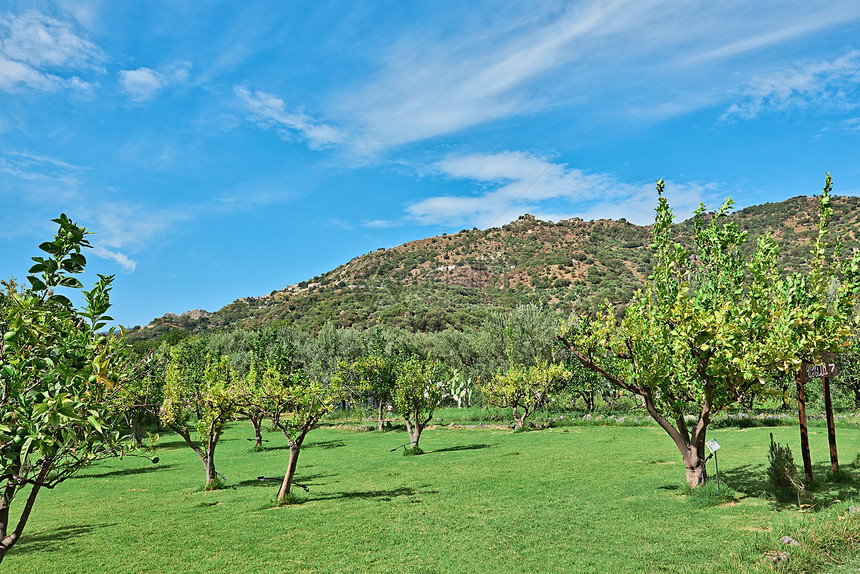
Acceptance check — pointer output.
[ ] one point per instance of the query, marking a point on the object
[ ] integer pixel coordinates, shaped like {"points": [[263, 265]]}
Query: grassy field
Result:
{"points": [[578, 499]]}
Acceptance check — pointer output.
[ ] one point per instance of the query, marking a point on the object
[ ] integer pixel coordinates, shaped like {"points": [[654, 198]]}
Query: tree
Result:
{"points": [[698, 336], [417, 393], [374, 374], [816, 312], [58, 375], [199, 397], [294, 404], [524, 388]]}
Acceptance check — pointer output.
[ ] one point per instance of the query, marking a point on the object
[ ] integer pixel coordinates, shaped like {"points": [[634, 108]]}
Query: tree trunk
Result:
{"points": [[696, 472], [256, 418], [804, 433], [291, 470], [380, 408], [8, 540], [414, 431], [137, 426], [209, 463]]}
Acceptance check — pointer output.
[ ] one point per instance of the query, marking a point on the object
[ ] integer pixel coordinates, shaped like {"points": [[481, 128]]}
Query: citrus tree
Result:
{"points": [[524, 388], [698, 336], [372, 374], [58, 378], [294, 404], [816, 315], [418, 390], [199, 400]]}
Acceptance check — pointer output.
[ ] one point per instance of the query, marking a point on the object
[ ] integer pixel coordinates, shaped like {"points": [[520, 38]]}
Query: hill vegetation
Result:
{"points": [[455, 281]]}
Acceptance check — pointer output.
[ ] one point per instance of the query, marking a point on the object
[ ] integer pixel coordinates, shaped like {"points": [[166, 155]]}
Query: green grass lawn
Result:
{"points": [[579, 499]]}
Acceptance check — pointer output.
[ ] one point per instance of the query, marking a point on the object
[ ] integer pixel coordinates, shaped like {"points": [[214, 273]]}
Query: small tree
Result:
{"points": [[373, 374], [816, 315], [524, 388], [199, 397], [57, 376], [294, 404], [417, 393]]}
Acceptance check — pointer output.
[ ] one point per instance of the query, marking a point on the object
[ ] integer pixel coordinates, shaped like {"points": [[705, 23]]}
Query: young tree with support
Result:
{"points": [[524, 388], [817, 313], [58, 375], [697, 336], [294, 404]]}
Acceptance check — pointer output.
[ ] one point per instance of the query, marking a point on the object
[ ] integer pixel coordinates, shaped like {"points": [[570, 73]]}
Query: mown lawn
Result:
{"points": [[581, 499]]}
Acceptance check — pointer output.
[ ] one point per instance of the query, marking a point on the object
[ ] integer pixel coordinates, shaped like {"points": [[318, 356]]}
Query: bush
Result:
{"points": [[781, 472]]}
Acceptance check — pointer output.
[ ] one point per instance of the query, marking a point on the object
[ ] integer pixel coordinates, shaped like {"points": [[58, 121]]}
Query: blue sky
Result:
{"points": [[224, 149]]}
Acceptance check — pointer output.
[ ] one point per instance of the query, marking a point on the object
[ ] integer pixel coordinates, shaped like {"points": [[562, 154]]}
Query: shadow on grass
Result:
{"points": [[325, 444], [750, 480], [461, 447], [49, 540], [127, 472], [271, 481], [381, 495]]}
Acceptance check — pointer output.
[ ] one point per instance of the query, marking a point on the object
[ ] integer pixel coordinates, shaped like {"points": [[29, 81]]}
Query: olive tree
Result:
{"points": [[58, 376], [698, 336]]}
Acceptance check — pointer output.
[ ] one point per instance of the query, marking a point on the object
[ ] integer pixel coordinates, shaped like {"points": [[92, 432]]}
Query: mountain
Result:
{"points": [[456, 280]]}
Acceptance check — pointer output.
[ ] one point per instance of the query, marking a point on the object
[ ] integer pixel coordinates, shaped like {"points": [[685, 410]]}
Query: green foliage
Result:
{"points": [[199, 397], [524, 388], [418, 390], [59, 377], [781, 472], [699, 335]]}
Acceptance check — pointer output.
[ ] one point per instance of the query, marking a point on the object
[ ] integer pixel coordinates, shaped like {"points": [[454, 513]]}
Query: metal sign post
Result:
{"points": [[714, 446]]}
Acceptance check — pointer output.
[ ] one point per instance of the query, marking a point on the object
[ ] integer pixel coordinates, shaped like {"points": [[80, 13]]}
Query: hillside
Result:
{"points": [[455, 280]]}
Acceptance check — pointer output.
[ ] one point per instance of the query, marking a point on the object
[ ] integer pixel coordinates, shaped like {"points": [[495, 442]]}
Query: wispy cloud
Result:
{"points": [[27, 166], [668, 58], [512, 182], [126, 262], [272, 111], [822, 85], [43, 53]]}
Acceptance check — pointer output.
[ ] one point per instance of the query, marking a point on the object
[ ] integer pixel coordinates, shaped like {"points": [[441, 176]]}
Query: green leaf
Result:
{"points": [[71, 282], [38, 284], [61, 300], [50, 247], [95, 422]]}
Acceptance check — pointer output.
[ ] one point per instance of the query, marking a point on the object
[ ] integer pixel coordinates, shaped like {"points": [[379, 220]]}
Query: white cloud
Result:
{"points": [[141, 84], [512, 182], [145, 83], [272, 111], [39, 52], [820, 85]]}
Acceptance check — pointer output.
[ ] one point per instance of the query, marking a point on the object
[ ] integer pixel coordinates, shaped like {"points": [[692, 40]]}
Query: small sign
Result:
{"points": [[819, 371], [713, 445]]}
